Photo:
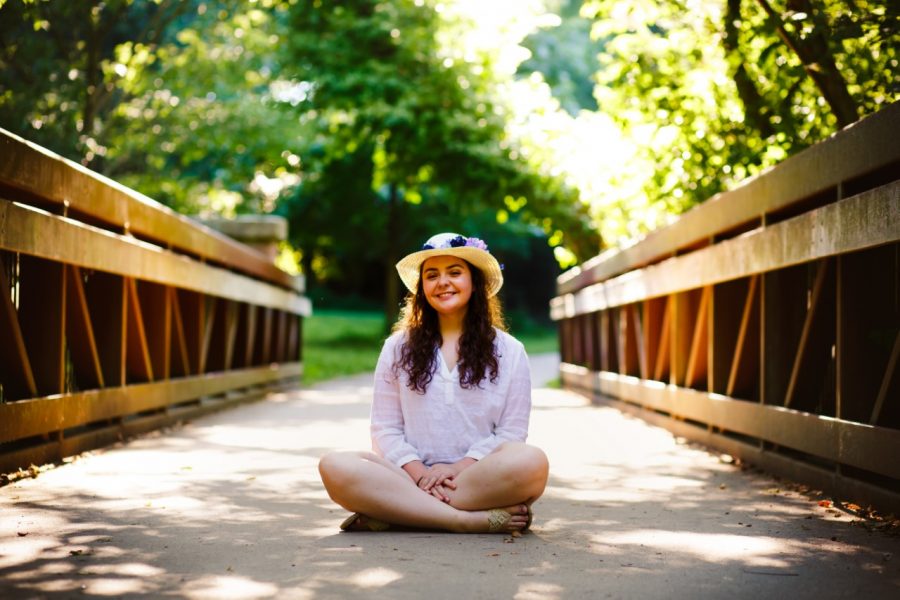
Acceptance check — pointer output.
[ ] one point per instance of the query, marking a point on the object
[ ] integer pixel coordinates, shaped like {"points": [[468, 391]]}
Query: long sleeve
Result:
{"points": [[388, 424], [512, 426]]}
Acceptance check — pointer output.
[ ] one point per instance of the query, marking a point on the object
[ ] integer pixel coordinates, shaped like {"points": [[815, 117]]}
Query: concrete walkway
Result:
{"points": [[231, 506]]}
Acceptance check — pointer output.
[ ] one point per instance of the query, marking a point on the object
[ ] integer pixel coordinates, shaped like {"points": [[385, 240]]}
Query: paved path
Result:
{"points": [[230, 506]]}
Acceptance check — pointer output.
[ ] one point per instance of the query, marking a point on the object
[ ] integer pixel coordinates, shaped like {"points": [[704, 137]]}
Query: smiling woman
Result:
{"points": [[450, 410]]}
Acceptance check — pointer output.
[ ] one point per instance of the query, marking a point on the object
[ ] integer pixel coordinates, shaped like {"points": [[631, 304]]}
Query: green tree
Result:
{"points": [[177, 99], [380, 82], [713, 92], [566, 55]]}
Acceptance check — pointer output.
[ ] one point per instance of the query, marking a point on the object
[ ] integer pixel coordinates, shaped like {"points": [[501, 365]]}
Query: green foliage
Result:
{"points": [[566, 56], [713, 92], [174, 98], [411, 140], [337, 343]]}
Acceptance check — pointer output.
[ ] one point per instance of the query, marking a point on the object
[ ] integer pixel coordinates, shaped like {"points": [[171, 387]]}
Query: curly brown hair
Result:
{"points": [[477, 351]]}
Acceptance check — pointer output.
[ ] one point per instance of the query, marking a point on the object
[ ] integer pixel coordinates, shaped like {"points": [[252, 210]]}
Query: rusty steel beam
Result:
{"points": [[866, 146], [28, 170], [37, 233], [864, 221]]}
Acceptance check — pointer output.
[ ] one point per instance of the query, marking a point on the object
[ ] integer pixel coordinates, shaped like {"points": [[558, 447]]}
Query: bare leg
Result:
{"points": [[363, 482], [514, 473]]}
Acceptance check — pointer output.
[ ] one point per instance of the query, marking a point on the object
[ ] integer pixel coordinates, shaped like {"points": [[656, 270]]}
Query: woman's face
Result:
{"points": [[447, 283]]}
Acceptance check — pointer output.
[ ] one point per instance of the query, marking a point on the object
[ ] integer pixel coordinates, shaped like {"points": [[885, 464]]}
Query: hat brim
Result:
{"points": [[409, 266]]}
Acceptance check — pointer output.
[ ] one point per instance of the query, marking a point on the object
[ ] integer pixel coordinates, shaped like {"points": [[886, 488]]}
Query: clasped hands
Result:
{"points": [[437, 479]]}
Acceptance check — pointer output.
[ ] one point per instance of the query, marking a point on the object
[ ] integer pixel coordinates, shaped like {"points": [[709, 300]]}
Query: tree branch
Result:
{"points": [[754, 104], [818, 62]]}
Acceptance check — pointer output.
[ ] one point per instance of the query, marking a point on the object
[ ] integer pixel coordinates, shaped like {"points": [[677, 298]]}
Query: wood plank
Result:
{"points": [[37, 171], [15, 367], [157, 313], [80, 334], [663, 362], [181, 365], [726, 310], [654, 314], [193, 314], [792, 469], [745, 366], [845, 442], [137, 352], [265, 350], [698, 358], [28, 418], [684, 317], [812, 311], [889, 373], [231, 327], [71, 242], [211, 314], [636, 318], [105, 295], [295, 351], [282, 335], [42, 318], [252, 312], [865, 221], [869, 145]]}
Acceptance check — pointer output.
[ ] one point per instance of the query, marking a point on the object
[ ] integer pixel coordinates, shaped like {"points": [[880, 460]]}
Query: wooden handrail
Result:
{"points": [[34, 175], [862, 148]]}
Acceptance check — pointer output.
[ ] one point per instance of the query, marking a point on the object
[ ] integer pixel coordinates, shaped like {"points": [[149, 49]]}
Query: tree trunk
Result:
{"points": [[391, 281], [817, 60], [755, 108]]}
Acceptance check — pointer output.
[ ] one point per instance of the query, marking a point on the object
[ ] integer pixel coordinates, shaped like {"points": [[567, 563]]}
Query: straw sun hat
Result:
{"points": [[470, 249]]}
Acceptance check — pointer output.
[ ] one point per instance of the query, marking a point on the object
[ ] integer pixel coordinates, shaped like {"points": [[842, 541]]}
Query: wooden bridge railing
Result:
{"points": [[766, 321], [117, 315]]}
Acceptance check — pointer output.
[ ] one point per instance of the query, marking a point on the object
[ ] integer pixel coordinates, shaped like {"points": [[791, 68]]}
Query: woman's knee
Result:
{"points": [[526, 458], [337, 467]]}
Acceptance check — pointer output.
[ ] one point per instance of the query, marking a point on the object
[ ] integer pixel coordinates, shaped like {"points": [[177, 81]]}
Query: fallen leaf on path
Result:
{"points": [[825, 503]]}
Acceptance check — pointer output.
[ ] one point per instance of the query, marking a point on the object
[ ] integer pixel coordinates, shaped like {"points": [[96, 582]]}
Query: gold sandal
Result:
{"points": [[361, 522], [498, 518]]}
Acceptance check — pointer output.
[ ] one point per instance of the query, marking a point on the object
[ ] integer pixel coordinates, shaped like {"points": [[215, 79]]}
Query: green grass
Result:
{"points": [[538, 341], [344, 342], [339, 343]]}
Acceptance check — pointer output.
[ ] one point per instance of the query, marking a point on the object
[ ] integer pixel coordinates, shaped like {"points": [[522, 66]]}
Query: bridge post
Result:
{"points": [[261, 232]]}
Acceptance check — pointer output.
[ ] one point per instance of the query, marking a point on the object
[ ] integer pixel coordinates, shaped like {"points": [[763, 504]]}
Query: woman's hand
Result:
{"points": [[441, 478], [436, 480]]}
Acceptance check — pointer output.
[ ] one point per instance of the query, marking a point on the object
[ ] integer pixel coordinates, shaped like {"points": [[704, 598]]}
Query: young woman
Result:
{"points": [[450, 410]]}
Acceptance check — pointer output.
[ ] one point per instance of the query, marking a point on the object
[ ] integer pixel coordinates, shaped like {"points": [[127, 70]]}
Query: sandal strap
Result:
{"points": [[497, 519]]}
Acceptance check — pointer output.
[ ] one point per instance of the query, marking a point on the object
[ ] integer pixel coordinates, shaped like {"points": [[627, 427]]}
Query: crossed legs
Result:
{"points": [[510, 478]]}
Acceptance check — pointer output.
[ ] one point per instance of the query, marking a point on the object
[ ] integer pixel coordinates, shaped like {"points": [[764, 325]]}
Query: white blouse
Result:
{"points": [[449, 422]]}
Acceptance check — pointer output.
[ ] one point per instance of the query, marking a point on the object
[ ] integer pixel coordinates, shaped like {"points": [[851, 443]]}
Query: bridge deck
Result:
{"points": [[231, 506]]}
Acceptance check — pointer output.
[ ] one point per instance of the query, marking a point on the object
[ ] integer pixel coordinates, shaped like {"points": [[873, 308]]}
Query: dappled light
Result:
{"points": [[232, 506]]}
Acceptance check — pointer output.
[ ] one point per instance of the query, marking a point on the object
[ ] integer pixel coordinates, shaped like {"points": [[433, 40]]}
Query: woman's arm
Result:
{"points": [[512, 425], [387, 424]]}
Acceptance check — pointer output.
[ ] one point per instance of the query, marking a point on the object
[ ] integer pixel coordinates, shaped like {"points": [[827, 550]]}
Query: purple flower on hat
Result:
{"points": [[450, 240], [474, 242]]}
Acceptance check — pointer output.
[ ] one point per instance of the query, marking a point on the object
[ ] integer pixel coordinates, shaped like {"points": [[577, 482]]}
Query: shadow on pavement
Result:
{"points": [[231, 507]]}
